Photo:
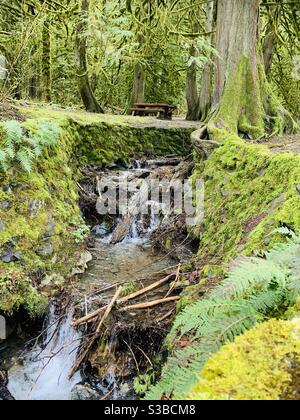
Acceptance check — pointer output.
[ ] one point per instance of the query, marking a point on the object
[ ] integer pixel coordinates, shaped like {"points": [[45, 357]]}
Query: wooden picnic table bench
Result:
{"points": [[163, 111]]}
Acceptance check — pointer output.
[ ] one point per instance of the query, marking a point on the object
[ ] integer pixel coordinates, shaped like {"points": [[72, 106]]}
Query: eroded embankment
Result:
{"points": [[41, 228]]}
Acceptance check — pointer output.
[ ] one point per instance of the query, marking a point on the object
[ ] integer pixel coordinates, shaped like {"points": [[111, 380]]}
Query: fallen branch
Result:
{"points": [[147, 289], [166, 315], [96, 334], [147, 305], [175, 281], [124, 300]]}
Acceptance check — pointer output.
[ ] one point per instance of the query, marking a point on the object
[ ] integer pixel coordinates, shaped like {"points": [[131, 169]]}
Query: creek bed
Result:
{"points": [[41, 371]]}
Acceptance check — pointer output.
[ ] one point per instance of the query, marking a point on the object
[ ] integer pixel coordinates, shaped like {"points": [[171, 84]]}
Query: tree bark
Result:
{"points": [[205, 97], [237, 98], [244, 101], [199, 103], [139, 84], [87, 95], [192, 95], [46, 63], [268, 50]]}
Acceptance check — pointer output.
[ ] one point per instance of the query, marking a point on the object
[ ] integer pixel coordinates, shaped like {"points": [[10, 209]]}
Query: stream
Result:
{"points": [[41, 370]]}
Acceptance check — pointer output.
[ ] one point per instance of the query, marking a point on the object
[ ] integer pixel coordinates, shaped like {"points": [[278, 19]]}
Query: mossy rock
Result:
{"points": [[262, 364]]}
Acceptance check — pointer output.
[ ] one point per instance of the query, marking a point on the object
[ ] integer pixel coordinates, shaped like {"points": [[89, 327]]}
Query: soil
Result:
{"points": [[284, 144], [9, 112]]}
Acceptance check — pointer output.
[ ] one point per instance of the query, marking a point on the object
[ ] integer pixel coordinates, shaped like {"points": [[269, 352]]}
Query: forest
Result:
{"points": [[150, 200]]}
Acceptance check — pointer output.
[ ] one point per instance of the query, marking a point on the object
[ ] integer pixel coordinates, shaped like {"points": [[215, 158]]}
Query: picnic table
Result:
{"points": [[163, 111]]}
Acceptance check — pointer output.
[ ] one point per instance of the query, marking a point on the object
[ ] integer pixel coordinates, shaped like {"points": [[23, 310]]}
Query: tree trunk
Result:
{"points": [[237, 99], [139, 84], [244, 101], [87, 95], [46, 63], [268, 49], [205, 98], [199, 104], [192, 96]]}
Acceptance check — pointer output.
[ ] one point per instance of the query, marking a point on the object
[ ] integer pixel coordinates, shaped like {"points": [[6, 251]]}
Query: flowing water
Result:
{"points": [[42, 373]]}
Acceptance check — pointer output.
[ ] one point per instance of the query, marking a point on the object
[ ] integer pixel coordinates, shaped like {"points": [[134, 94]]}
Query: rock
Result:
{"points": [[11, 256], [298, 189], [82, 264], [52, 280], [84, 393], [2, 225], [49, 232], [5, 205], [5, 395], [225, 193], [100, 230], [34, 207], [45, 250], [7, 189]]}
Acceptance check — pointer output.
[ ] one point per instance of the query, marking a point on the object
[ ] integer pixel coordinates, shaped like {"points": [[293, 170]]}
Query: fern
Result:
{"points": [[22, 148], [255, 290]]}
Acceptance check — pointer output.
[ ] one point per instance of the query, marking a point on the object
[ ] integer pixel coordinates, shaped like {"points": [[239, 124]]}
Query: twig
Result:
{"points": [[147, 289], [124, 300], [166, 315], [175, 281], [147, 305], [96, 335], [133, 355]]}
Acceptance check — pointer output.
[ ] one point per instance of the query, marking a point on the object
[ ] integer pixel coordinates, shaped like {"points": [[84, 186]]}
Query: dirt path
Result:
{"points": [[285, 144]]}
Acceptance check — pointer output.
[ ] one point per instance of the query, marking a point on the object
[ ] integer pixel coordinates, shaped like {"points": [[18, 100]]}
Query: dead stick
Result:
{"points": [[97, 332], [175, 281], [146, 289], [147, 305], [166, 315], [124, 300]]}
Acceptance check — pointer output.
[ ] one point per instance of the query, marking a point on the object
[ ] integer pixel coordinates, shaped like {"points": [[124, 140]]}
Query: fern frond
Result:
{"points": [[254, 290], [251, 276], [13, 131], [25, 158], [3, 160]]}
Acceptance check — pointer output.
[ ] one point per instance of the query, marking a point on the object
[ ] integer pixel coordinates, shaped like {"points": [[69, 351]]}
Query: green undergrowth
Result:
{"points": [[255, 290]]}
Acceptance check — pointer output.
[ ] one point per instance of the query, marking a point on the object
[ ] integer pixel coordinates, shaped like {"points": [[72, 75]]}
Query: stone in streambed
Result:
{"points": [[100, 230], [84, 393]]}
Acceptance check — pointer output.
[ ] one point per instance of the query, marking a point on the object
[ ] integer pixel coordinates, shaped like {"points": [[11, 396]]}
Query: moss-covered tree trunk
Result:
{"points": [[138, 95], [268, 49], [46, 63], [199, 103], [237, 98], [90, 102], [192, 95], [243, 99], [205, 97]]}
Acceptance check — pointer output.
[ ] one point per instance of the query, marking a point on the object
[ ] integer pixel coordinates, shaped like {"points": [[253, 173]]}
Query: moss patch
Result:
{"points": [[263, 364], [249, 192]]}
